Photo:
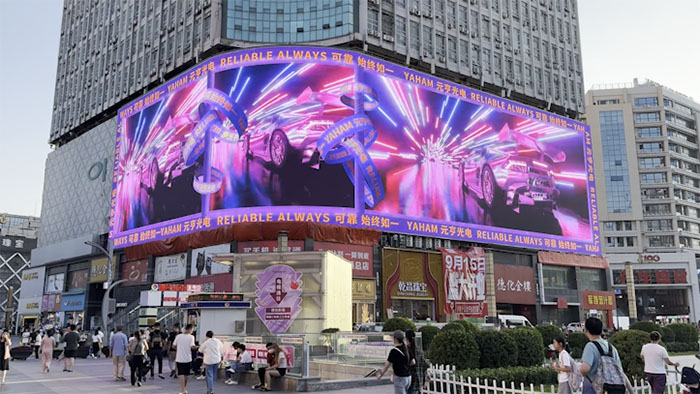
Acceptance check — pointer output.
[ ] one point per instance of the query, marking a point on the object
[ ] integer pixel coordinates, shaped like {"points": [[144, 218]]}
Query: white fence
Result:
{"points": [[444, 380]]}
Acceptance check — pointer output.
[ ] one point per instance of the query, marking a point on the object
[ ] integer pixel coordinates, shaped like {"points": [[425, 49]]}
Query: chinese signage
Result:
{"points": [[653, 277], [32, 282], [202, 263], [364, 289], [176, 287], [278, 294], [464, 278], [135, 272], [268, 246], [98, 270], [515, 284], [17, 244], [171, 268], [412, 289], [602, 300]]}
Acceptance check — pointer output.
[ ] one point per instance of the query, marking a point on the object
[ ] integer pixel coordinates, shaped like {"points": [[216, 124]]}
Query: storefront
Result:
{"points": [[30, 297], [29, 311], [412, 284], [516, 290], [73, 308], [600, 304], [364, 296], [51, 305], [666, 286]]}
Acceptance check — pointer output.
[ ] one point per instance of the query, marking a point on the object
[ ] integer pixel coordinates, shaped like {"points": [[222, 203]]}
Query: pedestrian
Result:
{"points": [[593, 352], [155, 345], [212, 349], [562, 366], [417, 364], [118, 344], [183, 346], [96, 344], [278, 368], [261, 370], [36, 343], [243, 362], [71, 338], [398, 360], [138, 348], [5, 344], [655, 360], [46, 349], [171, 350]]}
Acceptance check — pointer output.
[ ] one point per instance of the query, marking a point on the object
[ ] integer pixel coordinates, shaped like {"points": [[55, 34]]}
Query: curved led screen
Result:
{"points": [[338, 137]]}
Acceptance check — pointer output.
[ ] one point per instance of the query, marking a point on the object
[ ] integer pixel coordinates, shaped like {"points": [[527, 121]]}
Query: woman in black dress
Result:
{"points": [[5, 344]]}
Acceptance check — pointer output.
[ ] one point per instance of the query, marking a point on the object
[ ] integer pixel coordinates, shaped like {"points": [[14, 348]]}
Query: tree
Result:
{"points": [[528, 341], [454, 347], [428, 333], [549, 332], [629, 345], [577, 341], [398, 323], [497, 349]]}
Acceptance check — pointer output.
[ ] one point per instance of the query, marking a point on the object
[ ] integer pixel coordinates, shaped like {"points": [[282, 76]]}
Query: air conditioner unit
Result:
{"points": [[472, 1], [442, 59], [438, 17], [428, 243], [437, 243], [415, 11], [516, 52], [474, 34], [374, 1], [463, 29], [519, 82], [418, 242], [498, 45], [428, 14], [450, 26], [505, 14], [409, 241], [427, 55], [476, 70], [388, 38]]}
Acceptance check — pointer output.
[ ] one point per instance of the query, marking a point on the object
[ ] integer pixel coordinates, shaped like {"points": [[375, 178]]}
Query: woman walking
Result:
{"points": [[5, 344], [417, 364], [562, 366], [398, 360], [137, 351], [96, 344], [46, 349]]}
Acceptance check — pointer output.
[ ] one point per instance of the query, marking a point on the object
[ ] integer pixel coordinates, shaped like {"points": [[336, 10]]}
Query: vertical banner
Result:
{"points": [[464, 275], [279, 297]]}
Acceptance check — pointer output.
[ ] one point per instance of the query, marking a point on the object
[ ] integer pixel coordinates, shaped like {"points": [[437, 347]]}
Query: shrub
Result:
{"points": [[454, 347], [398, 323], [331, 330], [647, 326], [453, 326], [517, 375], [577, 341], [496, 349], [629, 344], [678, 347], [468, 326], [667, 335], [685, 333], [549, 332], [427, 335], [528, 341]]}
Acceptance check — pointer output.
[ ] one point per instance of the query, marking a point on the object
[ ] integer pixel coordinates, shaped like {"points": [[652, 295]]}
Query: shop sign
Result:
{"points": [[653, 277], [649, 258], [135, 272], [29, 305], [170, 298], [268, 246], [359, 255], [176, 287], [464, 275], [278, 297], [73, 302], [604, 300], [412, 289], [32, 282], [55, 283], [562, 303], [202, 263], [171, 268], [98, 270], [78, 280], [363, 289], [514, 284]]}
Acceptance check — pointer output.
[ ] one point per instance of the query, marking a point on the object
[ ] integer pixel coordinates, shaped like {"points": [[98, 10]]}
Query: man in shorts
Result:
{"points": [[71, 338], [183, 345]]}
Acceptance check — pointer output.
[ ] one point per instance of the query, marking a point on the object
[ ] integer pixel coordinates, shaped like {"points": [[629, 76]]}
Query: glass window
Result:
{"points": [[630, 241], [614, 151], [400, 30], [648, 131], [654, 177], [651, 162], [428, 41], [415, 35], [558, 277], [651, 147], [661, 241], [646, 102], [659, 225], [646, 117], [609, 226]]}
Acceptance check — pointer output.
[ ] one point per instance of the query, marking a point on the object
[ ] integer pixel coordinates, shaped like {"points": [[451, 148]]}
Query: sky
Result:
{"points": [[620, 40]]}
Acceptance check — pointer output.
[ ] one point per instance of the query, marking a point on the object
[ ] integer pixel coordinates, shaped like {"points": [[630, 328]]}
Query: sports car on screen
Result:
{"points": [[513, 171], [291, 135]]}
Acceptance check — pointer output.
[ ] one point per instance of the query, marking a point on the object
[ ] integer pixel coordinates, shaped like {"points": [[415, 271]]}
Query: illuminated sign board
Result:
{"points": [[285, 134]]}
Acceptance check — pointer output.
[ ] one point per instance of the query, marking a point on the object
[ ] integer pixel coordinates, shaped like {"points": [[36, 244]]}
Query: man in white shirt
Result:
{"points": [[183, 345], [243, 362], [212, 349], [655, 357]]}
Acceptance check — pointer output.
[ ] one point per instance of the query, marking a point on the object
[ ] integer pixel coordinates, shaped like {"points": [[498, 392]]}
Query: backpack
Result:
{"points": [[157, 341], [610, 377], [575, 377]]}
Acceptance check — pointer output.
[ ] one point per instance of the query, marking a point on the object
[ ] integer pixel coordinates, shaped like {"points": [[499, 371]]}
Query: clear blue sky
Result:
{"points": [[621, 39]]}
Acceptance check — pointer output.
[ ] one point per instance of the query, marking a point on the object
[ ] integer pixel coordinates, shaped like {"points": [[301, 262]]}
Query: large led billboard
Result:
{"points": [[338, 137]]}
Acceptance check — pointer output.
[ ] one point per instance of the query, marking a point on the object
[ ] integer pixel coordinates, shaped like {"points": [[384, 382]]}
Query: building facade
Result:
{"points": [[645, 139]]}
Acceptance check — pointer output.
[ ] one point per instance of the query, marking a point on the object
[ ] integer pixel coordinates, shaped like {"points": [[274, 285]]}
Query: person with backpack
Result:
{"points": [[398, 360], [155, 345], [138, 348], [655, 360], [601, 363], [563, 366]]}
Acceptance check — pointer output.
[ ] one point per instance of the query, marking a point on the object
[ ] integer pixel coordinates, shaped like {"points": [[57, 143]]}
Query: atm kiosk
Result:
{"points": [[222, 313]]}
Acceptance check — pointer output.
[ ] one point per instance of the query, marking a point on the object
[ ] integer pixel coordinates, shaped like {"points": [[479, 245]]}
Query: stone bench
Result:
{"points": [[285, 383]]}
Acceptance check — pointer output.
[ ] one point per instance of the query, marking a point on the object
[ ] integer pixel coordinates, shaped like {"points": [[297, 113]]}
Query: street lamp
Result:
{"points": [[108, 304]]}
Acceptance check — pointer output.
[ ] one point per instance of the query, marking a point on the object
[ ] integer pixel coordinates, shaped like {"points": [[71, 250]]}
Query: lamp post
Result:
{"points": [[106, 307]]}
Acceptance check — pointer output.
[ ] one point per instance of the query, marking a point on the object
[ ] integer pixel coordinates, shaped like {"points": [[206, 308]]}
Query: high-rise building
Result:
{"points": [[645, 140]]}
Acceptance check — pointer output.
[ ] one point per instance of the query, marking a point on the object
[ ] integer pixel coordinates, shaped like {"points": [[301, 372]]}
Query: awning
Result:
{"points": [[572, 260]]}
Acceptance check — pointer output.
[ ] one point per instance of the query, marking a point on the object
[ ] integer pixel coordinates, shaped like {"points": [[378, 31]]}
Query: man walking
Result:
{"points": [[171, 351], [212, 349], [155, 346], [183, 345], [655, 357], [592, 355], [118, 343], [71, 339]]}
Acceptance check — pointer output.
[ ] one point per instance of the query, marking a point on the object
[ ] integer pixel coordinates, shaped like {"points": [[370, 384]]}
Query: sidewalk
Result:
{"points": [[95, 376]]}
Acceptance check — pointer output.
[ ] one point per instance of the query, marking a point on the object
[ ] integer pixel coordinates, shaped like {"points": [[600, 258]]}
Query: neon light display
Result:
{"points": [[338, 137]]}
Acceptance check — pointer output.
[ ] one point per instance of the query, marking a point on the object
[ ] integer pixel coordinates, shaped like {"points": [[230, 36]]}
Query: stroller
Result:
{"points": [[691, 379]]}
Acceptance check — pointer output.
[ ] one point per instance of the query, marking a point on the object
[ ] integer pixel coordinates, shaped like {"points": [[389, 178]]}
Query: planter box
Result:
{"points": [[82, 352], [20, 352], [57, 352]]}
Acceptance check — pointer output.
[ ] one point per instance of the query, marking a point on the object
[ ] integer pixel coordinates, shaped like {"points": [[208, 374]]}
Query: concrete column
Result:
{"points": [[492, 312]]}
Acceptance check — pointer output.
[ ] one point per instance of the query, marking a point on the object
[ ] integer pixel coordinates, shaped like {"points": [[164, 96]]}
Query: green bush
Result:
{"points": [[549, 332], [331, 330], [468, 326], [528, 342], [398, 323], [647, 326], [678, 347], [577, 341], [629, 344], [685, 333], [427, 335], [517, 375], [454, 347], [453, 326], [496, 349], [667, 335]]}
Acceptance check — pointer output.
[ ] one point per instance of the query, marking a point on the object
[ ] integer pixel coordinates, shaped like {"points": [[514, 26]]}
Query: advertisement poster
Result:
{"points": [[515, 284], [465, 282], [171, 268], [78, 280], [275, 135], [278, 300], [55, 283], [32, 282], [135, 272], [202, 263]]}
